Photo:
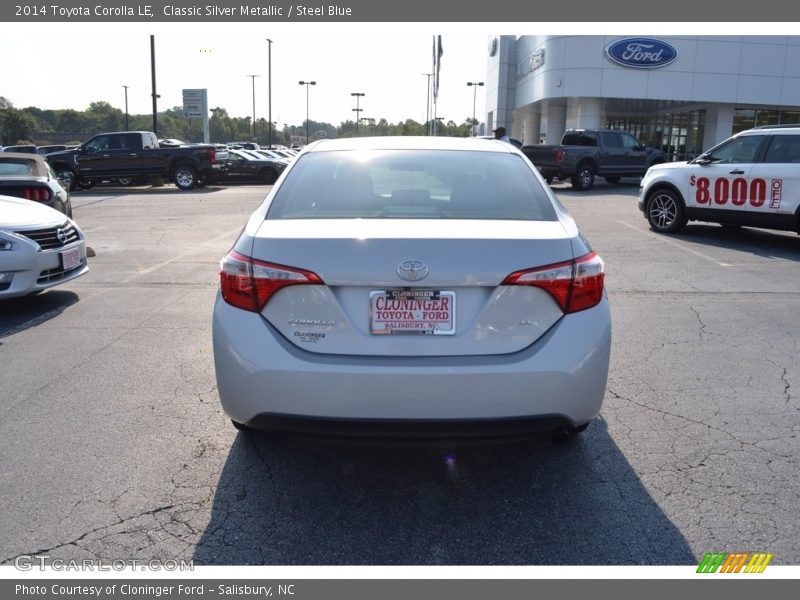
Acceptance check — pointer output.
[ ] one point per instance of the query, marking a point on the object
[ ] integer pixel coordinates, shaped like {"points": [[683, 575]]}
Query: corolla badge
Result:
{"points": [[412, 270], [641, 53]]}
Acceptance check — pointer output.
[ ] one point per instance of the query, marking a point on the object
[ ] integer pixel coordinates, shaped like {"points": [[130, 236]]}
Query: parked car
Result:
{"points": [[243, 166], [29, 176], [586, 153], [752, 178], [414, 287], [39, 248], [26, 149], [45, 150]]}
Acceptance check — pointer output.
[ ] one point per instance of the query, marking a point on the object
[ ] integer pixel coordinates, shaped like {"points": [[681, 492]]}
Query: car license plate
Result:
{"points": [[70, 258], [412, 312]]}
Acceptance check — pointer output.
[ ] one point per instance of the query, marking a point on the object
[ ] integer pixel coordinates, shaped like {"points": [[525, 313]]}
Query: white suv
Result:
{"points": [[750, 179]]}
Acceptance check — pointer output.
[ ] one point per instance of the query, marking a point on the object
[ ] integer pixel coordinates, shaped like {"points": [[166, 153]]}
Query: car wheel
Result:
{"points": [[185, 177], [268, 176], [86, 184], [126, 180], [613, 179], [549, 180], [583, 179], [665, 212]]}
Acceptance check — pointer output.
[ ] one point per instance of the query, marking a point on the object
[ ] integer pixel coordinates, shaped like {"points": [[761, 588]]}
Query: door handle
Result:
{"points": [[106, 155], [737, 172], [134, 155]]}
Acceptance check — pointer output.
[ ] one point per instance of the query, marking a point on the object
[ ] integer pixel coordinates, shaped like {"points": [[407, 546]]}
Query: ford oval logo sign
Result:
{"points": [[641, 53]]}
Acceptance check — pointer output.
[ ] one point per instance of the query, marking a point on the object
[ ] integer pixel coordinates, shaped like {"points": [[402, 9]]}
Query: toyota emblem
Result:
{"points": [[62, 236], [412, 270]]}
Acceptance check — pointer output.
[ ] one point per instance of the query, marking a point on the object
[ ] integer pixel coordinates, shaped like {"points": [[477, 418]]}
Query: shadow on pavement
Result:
{"points": [[287, 502], [761, 242], [19, 314]]}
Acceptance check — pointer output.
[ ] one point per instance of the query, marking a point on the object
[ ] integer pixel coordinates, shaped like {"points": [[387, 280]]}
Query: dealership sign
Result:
{"points": [[641, 53]]}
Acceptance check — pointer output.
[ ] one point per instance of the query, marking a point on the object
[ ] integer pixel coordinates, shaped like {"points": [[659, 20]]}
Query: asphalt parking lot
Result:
{"points": [[114, 445]]}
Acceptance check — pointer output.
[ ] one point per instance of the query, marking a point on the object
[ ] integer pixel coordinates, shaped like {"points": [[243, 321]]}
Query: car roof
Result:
{"points": [[40, 170], [411, 143]]}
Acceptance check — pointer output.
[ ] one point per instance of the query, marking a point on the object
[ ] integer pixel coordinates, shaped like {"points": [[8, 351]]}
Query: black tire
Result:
{"points": [[268, 176], [126, 180], [184, 177], [613, 179], [583, 179], [549, 180], [86, 184], [665, 212]]}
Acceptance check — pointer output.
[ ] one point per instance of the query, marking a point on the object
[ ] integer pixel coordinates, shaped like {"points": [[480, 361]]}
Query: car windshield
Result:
{"points": [[15, 167], [408, 184]]}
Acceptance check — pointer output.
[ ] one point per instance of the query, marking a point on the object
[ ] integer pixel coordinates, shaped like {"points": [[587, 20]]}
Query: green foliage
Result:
{"points": [[101, 116]]}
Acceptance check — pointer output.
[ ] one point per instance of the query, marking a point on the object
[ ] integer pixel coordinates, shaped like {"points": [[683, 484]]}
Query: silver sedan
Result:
{"points": [[39, 248], [411, 287]]}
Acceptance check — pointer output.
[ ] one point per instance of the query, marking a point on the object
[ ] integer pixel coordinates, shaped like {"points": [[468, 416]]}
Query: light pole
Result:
{"points": [[269, 87], [438, 122], [428, 101], [357, 109], [307, 83], [253, 77], [127, 127], [474, 85]]}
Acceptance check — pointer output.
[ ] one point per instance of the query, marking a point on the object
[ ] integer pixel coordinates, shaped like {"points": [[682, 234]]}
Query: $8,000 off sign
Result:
{"points": [[738, 191]]}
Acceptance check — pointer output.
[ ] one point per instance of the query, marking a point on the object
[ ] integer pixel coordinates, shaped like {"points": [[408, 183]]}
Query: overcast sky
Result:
{"points": [[94, 61], [69, 65]]}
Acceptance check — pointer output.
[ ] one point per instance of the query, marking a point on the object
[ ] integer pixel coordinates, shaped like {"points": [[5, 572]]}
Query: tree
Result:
{"points": [[17, 126]]}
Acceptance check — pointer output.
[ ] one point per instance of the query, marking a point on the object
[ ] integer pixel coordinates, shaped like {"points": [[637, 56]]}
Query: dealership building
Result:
{"points": [[682, 94]]}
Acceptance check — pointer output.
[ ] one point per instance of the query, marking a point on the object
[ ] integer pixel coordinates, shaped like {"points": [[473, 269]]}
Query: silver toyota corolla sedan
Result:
{"points": [[411, 287]]}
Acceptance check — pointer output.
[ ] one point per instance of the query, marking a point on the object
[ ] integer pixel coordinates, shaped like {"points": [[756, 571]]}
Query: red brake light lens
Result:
{"points": [[560, 154], [37, 194], [575, 284], [248, 283]]}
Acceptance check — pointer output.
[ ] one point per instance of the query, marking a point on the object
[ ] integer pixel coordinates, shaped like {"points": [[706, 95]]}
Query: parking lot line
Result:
{"points": [[674, 244]]}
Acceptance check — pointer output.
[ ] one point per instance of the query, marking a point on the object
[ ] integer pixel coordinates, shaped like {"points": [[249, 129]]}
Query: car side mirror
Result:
{"points": [[702, 160]]}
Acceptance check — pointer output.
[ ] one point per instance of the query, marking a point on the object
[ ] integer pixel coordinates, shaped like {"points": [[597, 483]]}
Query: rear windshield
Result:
{"points": [[15, 167], [412, 184]]}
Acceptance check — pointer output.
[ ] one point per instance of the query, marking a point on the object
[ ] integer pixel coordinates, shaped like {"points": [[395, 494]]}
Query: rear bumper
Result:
{"points": [[266, 382]]}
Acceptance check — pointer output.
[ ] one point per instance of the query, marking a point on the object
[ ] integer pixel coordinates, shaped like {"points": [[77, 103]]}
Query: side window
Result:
{"points": [[611, 139], [740, 150], [588, 138], [628, 141], [783, 149], [97, 144]]}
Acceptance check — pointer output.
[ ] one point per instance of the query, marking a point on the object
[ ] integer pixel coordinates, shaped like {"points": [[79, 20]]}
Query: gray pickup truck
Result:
{"points": [[134, 154], [586, 153]]}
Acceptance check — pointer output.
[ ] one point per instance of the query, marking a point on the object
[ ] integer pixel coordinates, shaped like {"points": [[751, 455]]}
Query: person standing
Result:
{"points": [[500, 134]]}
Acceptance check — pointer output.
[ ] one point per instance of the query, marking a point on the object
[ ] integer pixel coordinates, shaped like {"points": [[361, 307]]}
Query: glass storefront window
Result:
{"points": [[743, 118], [679, 136]]}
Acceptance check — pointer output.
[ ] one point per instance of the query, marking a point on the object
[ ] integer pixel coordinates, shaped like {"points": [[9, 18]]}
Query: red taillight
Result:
{"points": [[560, 154], [37, 194], [248, 283], [212, 155], [575, 284]]}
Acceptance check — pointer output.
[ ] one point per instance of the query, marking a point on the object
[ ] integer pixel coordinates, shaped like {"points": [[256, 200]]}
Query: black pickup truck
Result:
{"points": [[134, 154], [584, 153]]}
